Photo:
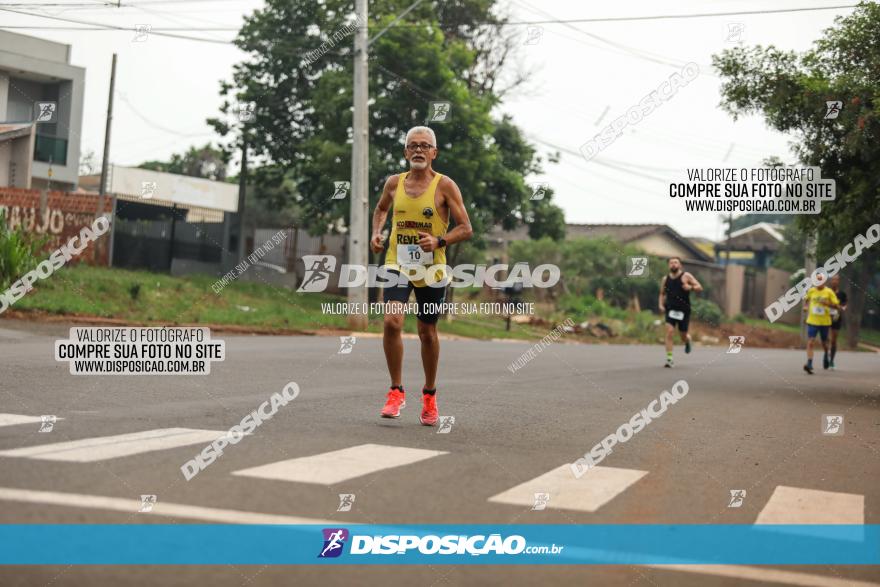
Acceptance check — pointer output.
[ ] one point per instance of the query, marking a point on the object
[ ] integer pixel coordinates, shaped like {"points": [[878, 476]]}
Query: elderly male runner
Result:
{"points": [[423, 201]]}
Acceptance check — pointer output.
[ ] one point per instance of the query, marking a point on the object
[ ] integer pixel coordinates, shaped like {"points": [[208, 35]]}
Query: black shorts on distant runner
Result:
{"points": [[837, 324], [425, 296], [681, 323]]}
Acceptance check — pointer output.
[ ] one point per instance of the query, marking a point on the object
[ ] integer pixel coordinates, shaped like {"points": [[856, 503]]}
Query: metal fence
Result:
{"points": [[150, 234]]}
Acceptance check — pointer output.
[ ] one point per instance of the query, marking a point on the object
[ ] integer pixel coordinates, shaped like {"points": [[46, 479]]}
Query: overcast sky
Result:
{"points": [[585, 76]]}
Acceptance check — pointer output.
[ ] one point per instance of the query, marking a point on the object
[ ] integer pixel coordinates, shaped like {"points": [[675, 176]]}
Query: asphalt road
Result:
{"points": [[751, 420]]}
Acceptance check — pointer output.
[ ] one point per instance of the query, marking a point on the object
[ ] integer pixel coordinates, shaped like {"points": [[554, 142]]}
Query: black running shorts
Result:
{"points": [[681, 320], [428, 298]]}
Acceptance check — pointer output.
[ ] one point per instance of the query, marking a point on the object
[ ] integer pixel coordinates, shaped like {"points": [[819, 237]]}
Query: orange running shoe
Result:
{"points": [[429, 415], [396, 401]]}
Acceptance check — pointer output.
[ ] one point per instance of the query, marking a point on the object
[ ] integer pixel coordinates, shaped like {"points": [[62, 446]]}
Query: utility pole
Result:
{"points": [[102, 189], [358, 233], [242, 189]]}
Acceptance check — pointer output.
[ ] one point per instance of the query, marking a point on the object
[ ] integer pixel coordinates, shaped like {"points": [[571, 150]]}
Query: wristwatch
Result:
{"points": [[441, 242]]}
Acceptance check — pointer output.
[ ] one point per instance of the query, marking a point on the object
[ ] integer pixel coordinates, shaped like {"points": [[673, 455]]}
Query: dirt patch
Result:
{"points": [[756, 336]]}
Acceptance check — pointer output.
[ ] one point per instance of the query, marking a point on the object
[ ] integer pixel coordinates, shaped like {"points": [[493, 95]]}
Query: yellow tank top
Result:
{"points": [[411, 215]]}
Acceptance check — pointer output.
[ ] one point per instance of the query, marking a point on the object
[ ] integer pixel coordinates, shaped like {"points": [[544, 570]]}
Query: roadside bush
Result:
{"points": [[19, 252], [586, 306], [134, 290], [706, 311], [591, 264]]}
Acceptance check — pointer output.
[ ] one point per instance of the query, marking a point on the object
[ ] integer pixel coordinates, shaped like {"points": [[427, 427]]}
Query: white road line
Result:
{"points": [[110, 447], [15, 419], [160, 508], [766, 574], [176, 510], [596, 488], [340, 465], [794, 505]]}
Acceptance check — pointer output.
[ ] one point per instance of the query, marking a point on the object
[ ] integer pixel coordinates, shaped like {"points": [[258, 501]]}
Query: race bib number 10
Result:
{"points": [[413, 255]]}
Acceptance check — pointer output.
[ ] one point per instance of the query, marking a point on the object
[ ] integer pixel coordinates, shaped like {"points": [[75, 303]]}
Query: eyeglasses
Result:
{"points": [[417, 146]]}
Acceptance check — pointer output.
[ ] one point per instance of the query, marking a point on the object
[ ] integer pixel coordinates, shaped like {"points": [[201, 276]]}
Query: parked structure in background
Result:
{"points": [[169, 222], [753, 245], [706, 245], [41, 106], [659, 240], [738, 288], [655, 239]]}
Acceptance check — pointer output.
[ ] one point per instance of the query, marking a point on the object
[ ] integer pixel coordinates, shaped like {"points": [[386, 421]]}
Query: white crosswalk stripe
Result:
{"points": [[587, 494], [340, 465], [796, 506], [101, 448], [16, 419]]}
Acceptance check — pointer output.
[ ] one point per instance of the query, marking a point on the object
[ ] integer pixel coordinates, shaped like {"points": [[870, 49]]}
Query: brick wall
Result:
{"points": [[64, 216]]}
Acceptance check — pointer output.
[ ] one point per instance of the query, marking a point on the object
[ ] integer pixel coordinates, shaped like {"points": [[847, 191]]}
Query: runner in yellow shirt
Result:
{"points": [[421, 203], [818, 303]]}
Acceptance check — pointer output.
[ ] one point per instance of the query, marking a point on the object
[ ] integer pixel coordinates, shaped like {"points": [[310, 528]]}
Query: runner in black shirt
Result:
{"points": [[837, 316], [675, 303]]}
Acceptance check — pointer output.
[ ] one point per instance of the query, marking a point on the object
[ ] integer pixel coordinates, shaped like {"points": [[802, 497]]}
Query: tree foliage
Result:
{"points": [[298, 80], [207, 162], [589, 265], [790, 91]]}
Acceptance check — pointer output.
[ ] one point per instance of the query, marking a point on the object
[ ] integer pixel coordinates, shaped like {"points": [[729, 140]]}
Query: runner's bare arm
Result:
{"points": [[692, 283], [380, 214], [462, 231], [661, 301]]}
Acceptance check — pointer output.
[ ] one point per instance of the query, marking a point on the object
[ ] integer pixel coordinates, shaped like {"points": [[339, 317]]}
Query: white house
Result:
{"points": [[41, 107]]}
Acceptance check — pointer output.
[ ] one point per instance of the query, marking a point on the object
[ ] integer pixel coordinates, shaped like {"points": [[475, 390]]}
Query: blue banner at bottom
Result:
{"points": [[522, 544]]}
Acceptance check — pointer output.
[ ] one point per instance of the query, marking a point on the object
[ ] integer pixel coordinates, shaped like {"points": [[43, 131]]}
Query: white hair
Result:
{"points": [[417, 129]]}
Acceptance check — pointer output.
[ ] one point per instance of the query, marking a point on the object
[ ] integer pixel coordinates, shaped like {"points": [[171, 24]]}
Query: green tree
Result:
{"points": [[298, 79], [207, 162], [545, 219], [790, 90]]}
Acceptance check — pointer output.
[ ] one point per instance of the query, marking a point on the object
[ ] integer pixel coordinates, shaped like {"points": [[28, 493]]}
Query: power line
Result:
{"points": [[180, 19], [157, 2], [164, 31], [674, 16], [137, 113], [103, 28], [497, 24], [114, 27], [597, 160], [654, 58], [109, 3], [57, 4]]}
